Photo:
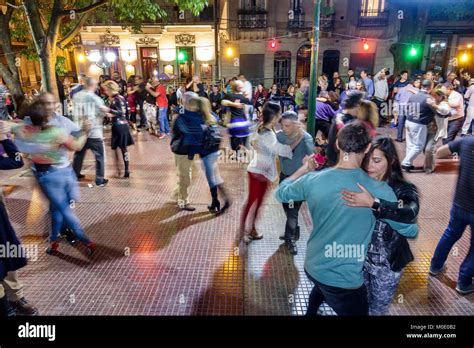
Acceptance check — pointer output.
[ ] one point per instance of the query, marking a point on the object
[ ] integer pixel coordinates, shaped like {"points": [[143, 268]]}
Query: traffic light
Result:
{"points": [[181, 56], [413, 51]]}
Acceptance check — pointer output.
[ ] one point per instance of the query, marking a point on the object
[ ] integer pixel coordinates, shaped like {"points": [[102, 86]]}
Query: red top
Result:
{"points": [[161, 99]]}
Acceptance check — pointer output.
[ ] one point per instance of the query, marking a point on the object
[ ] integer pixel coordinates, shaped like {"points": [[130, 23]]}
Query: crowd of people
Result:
{"points": [[347, 174]]}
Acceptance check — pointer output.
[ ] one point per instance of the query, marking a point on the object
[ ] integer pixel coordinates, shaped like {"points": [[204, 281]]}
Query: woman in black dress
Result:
{"points": [[118, 112]]}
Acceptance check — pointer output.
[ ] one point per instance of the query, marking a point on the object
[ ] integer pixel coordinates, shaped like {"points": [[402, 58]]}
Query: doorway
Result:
{"points": [[331, 62], [303, 62]]}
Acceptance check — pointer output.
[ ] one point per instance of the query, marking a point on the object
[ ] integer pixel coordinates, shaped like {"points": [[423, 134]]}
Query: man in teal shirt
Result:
{"points": [[341, 234]]}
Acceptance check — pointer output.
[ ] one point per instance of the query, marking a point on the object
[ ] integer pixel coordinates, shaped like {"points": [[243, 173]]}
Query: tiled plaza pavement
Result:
{"points": [[154, 260]]}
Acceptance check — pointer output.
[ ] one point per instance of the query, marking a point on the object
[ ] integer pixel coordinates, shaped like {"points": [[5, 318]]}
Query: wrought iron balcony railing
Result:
{"points": [[373, 18], [254, 18]]}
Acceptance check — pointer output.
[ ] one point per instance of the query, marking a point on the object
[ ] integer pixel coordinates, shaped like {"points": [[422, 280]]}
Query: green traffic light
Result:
{"points": [[413, 51]]}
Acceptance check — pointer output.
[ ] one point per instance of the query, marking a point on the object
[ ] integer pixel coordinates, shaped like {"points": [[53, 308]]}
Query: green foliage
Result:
{"points": [[61, 66]]}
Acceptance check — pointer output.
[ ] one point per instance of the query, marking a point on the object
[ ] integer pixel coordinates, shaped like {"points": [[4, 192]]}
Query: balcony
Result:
{"points": [[326, 23], [252, 19], [373, 18]]}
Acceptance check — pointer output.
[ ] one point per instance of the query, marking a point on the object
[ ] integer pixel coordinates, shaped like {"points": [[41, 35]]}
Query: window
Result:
{"points": [[296, 15], [438, 53], [372, 13], [149, 60], [282, 65], [252, 14], [372, 8], [252, 65]]}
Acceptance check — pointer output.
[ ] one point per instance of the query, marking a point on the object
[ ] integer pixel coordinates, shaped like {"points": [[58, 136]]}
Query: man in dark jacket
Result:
{"points": [[12, 301], [181, 160]]}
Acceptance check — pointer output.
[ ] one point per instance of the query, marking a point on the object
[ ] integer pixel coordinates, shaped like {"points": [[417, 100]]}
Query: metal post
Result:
{"points": [[313, 83], [216, 40]]}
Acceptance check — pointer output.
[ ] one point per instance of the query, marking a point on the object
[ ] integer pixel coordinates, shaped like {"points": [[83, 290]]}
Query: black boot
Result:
{"points": [[225, 196], [67, 234], [6, 310], [215, 205], [126, 163]]}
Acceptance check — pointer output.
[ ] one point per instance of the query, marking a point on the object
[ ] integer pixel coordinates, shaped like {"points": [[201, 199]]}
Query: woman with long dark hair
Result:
{"points": [[131, 100], [121, 137], [388, 251]]}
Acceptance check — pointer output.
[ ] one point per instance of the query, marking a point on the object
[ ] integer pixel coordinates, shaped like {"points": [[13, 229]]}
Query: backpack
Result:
{"points": [[212, 137]]}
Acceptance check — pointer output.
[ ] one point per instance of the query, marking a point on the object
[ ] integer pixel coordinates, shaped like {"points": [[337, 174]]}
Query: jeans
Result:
{"points": [[454, 127], [458, 222], [400, 125], [97, 148], [211, 169], [60, 187], [291, 226], [163, 120], [342, 301], [416, 140]]}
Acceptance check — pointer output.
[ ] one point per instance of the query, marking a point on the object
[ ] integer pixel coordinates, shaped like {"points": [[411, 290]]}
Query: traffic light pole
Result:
{"points": [[313, 83]]}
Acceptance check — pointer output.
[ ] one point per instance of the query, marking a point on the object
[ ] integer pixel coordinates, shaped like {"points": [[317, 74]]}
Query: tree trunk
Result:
{"points": [[48, 71]]}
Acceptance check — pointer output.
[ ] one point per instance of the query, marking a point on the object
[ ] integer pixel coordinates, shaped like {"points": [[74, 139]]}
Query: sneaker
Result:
{"points": [[162, 136], [435, 272], [408, 169], [23, 307], [103, 183], [465, 290], [187, 207]]}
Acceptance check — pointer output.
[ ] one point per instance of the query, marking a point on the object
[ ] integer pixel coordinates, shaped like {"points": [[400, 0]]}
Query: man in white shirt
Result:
{"points": [[248, 93], [381, 92], [470, 108], [455, 121], [87, 105]]}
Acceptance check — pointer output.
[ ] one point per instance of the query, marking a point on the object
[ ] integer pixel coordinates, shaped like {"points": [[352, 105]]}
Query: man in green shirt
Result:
{"points": [[341, 234]]}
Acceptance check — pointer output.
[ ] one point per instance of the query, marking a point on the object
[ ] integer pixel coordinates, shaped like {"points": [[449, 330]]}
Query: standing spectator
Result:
{"points": [[420, 115], [274, 92], [196, 86], [324, 114], [87, 105], [121, 82], [259, 99], [462, 214], [401, 82], [467, 127], [162, 104], [455, 121], [172, 99], [149, 105], [140, 96], [238, 124], [401, 105], [339, 86], [291, 129], [381, 94], [368, 83], [215, 97], [350, 74]]}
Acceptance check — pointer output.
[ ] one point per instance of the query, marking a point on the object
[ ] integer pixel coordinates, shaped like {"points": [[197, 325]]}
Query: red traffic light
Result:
{"points": [[273, 44], [366, 45]]}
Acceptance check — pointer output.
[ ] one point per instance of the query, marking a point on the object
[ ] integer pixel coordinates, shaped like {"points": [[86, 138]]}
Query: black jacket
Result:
{"points": [[406, 209], [177, 139]]}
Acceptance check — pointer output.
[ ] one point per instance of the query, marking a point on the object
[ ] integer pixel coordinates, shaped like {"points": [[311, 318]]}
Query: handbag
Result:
{"points": [[212, 137]]}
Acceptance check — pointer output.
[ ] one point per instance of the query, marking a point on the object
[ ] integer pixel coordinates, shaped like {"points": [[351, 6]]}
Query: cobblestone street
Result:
{"points": [[153, 259]]}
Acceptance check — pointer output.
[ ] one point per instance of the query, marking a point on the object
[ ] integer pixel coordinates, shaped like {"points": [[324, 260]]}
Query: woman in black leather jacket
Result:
{"points": [[388, 251]]}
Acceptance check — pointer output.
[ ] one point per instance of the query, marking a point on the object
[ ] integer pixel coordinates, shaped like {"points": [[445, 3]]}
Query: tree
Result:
{"points": [[53, 24], [9, 72]]}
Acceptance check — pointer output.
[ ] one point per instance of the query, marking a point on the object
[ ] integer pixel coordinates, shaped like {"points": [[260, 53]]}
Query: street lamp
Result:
{"points": [[103, 61]]}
